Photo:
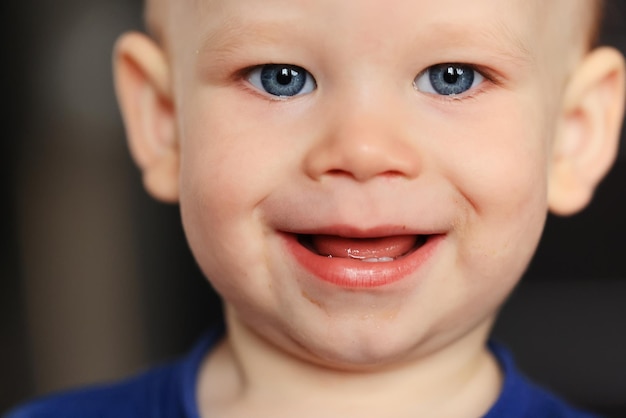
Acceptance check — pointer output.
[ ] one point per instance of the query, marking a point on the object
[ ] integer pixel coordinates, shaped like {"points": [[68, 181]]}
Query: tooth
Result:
{"points": [[378, 260]]}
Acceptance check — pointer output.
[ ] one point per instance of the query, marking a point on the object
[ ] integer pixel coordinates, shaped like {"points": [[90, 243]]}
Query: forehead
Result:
{"points": [[158, 9], [517, 21], [165, 13]]}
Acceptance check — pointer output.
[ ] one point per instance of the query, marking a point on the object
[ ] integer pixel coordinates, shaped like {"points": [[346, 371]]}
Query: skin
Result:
{"points": [[369, 152]]}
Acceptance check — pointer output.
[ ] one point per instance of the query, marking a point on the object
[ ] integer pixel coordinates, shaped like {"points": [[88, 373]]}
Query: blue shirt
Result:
{"points": [[170, 392]]}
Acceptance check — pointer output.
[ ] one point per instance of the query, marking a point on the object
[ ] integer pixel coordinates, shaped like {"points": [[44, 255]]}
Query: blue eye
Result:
{"points": [[448, 79], [282, 80]]}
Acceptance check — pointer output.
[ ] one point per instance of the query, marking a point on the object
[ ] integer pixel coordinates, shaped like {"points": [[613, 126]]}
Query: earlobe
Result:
{"points": [[143, 88], [588, 132]]}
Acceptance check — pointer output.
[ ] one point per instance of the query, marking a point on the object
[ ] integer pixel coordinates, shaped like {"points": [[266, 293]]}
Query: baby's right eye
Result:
{"points": [[282, 80]]}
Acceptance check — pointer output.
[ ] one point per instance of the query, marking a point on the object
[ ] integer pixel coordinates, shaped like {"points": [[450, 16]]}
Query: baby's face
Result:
{"points": [[365, 181]]}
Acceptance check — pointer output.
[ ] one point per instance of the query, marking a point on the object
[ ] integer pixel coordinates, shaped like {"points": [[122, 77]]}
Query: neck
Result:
{"points": [[459, 379]]}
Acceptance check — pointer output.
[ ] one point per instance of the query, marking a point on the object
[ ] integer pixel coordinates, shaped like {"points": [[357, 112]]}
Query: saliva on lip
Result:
{"points": [[351, 255], [367, 260], [377, 260]]}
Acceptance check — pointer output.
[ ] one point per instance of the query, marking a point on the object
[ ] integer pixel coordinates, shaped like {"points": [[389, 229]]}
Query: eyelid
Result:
{"points": [[485, 76], [253, 76]]}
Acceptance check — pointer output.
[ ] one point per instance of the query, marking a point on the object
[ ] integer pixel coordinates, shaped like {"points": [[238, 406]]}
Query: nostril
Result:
{"points": [[357, 176], [338, 172]]}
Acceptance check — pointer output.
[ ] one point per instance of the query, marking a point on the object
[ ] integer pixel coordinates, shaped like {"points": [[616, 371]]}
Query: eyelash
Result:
{"points": [[489, 78], [243, 77]]}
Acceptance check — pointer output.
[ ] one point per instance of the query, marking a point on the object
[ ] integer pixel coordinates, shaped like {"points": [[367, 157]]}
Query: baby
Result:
{"points": [[364, 183]]}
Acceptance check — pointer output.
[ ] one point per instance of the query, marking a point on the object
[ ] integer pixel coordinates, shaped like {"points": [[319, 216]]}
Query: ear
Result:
{"points": [[588, 132], [143, 87]]}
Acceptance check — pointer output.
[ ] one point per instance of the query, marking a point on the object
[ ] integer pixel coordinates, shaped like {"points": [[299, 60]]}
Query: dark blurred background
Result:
{"points": [[96, 281]]}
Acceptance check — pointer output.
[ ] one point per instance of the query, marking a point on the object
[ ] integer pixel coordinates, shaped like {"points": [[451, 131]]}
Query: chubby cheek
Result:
{"points": [[221, 183], [504, 188]]}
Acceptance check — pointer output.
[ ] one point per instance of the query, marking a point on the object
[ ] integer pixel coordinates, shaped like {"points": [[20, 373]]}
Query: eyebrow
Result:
{"points": [[234, 33], [499, 37]]}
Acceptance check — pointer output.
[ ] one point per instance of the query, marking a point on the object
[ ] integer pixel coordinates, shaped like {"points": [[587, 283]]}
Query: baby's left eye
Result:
{"points": [[448, 79]]}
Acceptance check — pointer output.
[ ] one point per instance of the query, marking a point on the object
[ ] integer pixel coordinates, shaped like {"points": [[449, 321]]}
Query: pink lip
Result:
{"points": [[355, 274]]}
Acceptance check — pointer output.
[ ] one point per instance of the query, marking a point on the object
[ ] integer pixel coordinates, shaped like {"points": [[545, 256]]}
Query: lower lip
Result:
{"points": [[354, 274]]}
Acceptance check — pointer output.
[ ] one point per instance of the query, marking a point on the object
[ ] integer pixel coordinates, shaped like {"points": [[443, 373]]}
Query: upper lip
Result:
{"points": [[349, 231]]}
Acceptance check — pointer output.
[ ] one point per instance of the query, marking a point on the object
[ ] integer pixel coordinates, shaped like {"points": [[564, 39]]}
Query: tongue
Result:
{"points": [[363, 248]]}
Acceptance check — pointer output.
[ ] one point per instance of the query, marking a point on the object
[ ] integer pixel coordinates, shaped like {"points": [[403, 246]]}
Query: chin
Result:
{"points": [[365, 344], [357, 347]]}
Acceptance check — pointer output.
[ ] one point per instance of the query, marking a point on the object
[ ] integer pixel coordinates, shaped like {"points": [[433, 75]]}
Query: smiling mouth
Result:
{"points": [[369, 250], [363, 262]]}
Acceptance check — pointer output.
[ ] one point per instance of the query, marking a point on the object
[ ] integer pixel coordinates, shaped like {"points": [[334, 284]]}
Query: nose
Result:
{"points": [[364, 140]]}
